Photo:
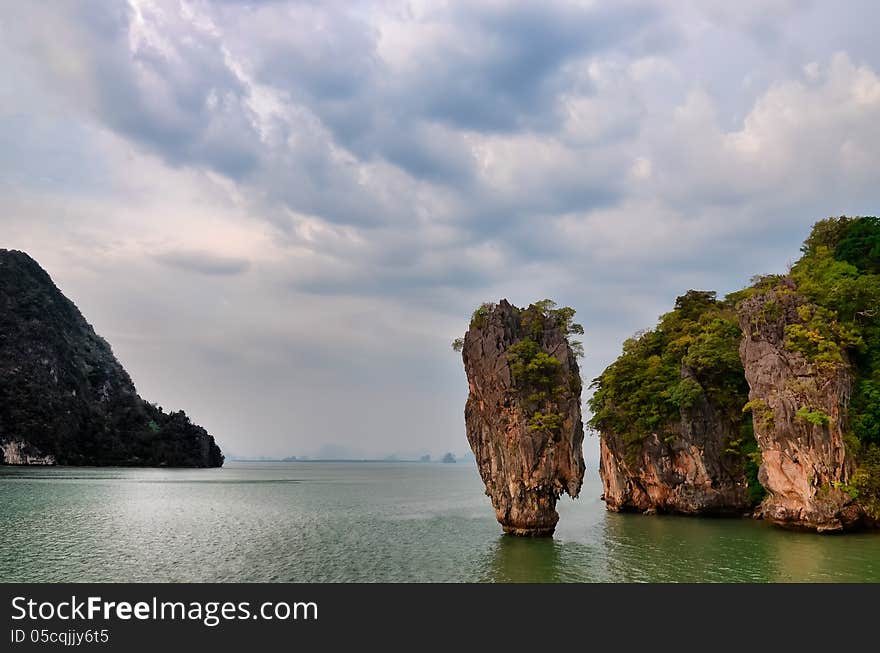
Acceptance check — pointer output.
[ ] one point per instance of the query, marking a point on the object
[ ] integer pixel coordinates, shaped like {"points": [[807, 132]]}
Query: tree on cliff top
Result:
{"points": [[645, 390], [540, 380], [534, 317]]}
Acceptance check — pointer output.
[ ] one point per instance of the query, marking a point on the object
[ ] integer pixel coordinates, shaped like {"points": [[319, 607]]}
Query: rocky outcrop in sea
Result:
{"points": [[523, 412], [683, 469], [767, 401], [799, 410], [673, 437]]}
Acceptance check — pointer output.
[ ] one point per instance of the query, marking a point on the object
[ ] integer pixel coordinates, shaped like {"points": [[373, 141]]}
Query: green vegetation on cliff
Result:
{"points": [[693, 353], [538, 374], [837, 327], [63, 394], [840, 273], [535, 318]]}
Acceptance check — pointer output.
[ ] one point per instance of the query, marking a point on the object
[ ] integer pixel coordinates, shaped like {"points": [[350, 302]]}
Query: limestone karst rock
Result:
{"points": [[523, 412], [668, 412], [64, 397], [684, 469], [806, 464], [774, 390]]}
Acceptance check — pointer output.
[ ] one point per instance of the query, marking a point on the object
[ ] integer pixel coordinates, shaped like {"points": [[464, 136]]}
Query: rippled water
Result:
{"points": [[370, 522]]}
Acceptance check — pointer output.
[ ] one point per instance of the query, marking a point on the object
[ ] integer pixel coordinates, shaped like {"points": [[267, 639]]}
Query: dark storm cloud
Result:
{"points": [[322, 52], [427, 153], [510, 76], [175, 96], [494, 70], [153, 78]]}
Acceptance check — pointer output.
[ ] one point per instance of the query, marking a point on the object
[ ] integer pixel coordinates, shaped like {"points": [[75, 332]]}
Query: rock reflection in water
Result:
{"points": [[524, 560]]}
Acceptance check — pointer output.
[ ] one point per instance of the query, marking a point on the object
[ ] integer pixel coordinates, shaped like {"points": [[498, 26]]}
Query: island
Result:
{"points": [[523, 411], [766, 402]]}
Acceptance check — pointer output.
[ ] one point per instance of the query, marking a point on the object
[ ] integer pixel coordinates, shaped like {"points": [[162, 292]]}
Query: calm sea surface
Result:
{"points": [[370, 522]]}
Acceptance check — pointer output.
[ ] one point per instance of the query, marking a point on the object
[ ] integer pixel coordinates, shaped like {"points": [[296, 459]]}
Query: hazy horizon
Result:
{"points": [[280, 214]]}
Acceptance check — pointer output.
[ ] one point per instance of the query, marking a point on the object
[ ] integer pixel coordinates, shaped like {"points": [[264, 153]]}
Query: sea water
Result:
{"points": [[364, 522]]}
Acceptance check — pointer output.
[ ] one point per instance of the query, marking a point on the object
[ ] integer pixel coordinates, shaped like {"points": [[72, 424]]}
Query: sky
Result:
{"points": [[280, 214]]}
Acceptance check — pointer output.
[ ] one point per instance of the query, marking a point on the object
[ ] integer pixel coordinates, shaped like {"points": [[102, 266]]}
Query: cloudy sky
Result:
{"points": [[281, 213]]}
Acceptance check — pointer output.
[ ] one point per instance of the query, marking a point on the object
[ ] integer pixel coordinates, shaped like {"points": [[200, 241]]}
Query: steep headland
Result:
{"points": [[64, 397], [769, 398], [523, 412]]}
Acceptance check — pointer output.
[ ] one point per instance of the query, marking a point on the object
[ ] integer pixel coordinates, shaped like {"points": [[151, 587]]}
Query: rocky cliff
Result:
{"points": [[64, 397], [811, 353], [768, 399], [800, 408], [672, 434], [523, 412], [686, 468]]}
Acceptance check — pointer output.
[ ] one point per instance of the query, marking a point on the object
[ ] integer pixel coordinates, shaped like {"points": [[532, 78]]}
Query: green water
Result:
{"points": [[370, 522]]}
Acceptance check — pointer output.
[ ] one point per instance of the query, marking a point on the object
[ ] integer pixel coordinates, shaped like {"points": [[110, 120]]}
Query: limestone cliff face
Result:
{"points": [[523, 414], [684, 471], [20, 452], [64, 397], [805, 462]]}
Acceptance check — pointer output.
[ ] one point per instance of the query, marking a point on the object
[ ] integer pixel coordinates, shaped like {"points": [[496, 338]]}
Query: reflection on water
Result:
{"points": [[340, 522], [524, 560], [666, 548], [849, 558]]}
